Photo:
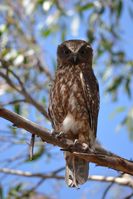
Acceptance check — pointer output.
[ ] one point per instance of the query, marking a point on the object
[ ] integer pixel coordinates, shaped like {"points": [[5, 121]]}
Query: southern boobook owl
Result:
{"points": [[74, 103]]}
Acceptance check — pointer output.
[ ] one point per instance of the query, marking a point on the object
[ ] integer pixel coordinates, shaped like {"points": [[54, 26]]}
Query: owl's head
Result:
{"points": [[74, 52]]}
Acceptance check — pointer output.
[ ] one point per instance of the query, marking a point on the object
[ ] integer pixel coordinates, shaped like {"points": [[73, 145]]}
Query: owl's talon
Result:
{"points": [[81, 146], [54, 133], [59, 135], [85, 147], [77, 145], [76, 142]]}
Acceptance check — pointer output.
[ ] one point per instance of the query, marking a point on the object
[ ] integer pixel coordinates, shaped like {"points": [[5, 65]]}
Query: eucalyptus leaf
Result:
{"points": [[1, 193], [85, 7], [118, 110], [120, 8]]}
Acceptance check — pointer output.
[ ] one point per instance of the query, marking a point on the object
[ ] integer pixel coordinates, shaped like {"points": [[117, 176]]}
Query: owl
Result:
{"points": [[74, 104]]}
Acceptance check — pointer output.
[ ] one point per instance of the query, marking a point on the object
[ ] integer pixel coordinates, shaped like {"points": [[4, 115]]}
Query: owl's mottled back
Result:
{"points": [[74, 104]]}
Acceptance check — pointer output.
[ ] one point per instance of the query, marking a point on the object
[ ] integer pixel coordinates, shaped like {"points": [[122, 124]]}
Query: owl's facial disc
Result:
{"points": [[73, 57], [74, 52]]}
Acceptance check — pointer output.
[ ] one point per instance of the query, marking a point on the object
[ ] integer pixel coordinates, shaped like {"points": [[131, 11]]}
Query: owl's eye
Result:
{"points": [[82, 52], [66, 51]]}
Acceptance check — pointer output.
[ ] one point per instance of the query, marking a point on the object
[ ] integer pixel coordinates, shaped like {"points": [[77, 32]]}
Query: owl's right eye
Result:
{"points": [[66, 51]]}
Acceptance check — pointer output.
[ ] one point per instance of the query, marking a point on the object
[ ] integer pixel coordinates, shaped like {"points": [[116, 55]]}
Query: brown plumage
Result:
{"points": [[74, 103]]}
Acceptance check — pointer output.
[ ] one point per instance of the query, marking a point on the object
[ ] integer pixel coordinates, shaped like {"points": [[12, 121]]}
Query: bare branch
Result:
{"points": [[22, 90], [30, 126], [29, 174], [9, 82], [111, 161], [100, 157], [124, 181]]}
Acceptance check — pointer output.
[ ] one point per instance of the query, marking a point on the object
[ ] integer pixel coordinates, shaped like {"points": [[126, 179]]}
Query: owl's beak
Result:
{"points": [[75, 58]]}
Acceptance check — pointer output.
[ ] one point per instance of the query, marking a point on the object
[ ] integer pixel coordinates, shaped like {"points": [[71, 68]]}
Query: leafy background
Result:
{"points": [[30, 32]]}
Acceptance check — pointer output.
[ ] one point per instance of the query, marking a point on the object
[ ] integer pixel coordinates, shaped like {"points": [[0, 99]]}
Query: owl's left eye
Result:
{"points": [[66, 51]]}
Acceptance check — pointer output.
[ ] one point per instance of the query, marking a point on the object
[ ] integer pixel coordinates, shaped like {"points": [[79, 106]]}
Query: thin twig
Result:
{"points": [[107, 189], [129, 196], [13, 102], [110, 186], [32, 142]]}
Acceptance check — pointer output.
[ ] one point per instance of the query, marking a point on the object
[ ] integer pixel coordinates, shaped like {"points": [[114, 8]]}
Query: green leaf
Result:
{"points": [[46, 32], [90, 35], [85, 7], [127, 87], [1, 193], [92, 19], [119, 109], [119, 8], [40, 2], [18, 187], [129, 122], [63, 35], [3, 28], [14, 191], [99, 51], [43, 100], [106, 44], [115, 84], [17, 108]]}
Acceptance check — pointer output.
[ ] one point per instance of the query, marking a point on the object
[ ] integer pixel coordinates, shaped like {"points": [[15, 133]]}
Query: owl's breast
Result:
{"points": [[67, 96], [69, 89]]}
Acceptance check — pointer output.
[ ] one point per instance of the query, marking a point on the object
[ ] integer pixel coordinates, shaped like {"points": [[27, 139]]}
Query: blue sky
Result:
{"points": [[117, 142]]}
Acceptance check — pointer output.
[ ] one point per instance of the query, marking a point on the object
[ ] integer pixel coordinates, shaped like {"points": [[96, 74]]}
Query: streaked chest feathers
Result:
{"points": [[68, 100]]}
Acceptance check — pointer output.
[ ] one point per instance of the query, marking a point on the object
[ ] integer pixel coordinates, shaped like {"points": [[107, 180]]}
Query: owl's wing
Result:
{"points": [[91, 95], [50, 105]]}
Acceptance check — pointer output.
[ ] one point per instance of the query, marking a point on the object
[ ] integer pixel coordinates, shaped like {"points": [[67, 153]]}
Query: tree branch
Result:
{"points": [[20, 89], [29, 174], [100, 156], [124, 180], [108, 160]]}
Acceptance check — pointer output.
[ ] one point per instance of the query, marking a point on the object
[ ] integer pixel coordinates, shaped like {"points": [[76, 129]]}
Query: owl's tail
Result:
{"points": [[77, 170]]}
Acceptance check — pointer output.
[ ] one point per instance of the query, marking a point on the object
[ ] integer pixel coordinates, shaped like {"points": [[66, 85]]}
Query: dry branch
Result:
{"points": [[100, 157], [112, 161], [124, 180], [21, 88]]}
